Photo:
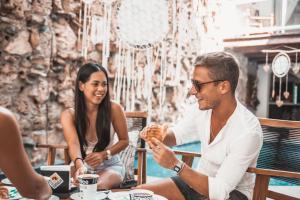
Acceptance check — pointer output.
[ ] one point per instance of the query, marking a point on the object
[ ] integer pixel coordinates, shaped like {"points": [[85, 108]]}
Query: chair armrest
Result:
{"points": [[52, 152], [274, 173], [56, 146], [187, 153], [141, 149], [142, 165], [187, 156], [262, 182]]}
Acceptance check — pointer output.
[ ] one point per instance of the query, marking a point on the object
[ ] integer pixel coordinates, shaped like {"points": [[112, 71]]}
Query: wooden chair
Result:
{"points": [[136, 121], [279, 157], [283, 136]]}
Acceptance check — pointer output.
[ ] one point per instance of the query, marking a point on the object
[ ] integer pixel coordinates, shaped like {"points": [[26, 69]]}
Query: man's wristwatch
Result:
{"points": [[108, 154], [178, 167]]}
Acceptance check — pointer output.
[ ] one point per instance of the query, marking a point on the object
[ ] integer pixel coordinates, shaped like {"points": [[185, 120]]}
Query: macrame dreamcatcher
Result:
{"points": [[155, 40], [141, 27], [95, 29], [160, 33], [281, 66]]}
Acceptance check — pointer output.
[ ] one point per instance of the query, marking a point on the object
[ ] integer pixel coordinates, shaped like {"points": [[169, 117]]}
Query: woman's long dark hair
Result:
{"points": [[103, 120]]}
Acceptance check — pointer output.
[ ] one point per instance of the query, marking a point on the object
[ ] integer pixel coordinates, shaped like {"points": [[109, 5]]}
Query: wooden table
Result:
{"points": [[113, 190]]}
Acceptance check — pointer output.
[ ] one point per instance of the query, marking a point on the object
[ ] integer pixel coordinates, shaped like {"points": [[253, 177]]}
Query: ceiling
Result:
{"points": [[252, 46]]}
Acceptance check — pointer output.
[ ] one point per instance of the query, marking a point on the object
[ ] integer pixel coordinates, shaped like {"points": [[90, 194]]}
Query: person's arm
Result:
{"points": [[70, 134], [15, 163], [242, 153], [120, 126]]}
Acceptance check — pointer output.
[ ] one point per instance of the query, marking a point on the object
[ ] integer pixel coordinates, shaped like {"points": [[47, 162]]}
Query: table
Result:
{"points": [[113, 190]]}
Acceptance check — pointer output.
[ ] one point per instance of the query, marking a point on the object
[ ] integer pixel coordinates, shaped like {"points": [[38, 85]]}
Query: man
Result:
{"points": [[230, 135], [15, 163]]}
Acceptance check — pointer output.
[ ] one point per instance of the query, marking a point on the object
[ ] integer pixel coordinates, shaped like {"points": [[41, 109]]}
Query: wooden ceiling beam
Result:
{"points": [[252, 46]]}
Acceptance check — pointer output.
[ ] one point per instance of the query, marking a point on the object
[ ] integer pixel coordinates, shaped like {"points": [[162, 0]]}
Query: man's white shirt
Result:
{"points": [[226, 159]]}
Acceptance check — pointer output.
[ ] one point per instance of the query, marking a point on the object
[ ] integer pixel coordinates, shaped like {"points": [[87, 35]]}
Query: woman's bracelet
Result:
{"points": [[78, 158]]}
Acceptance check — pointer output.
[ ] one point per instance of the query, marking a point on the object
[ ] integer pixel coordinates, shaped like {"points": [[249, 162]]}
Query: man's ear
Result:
{"points": [[81, 86], [225, 87]]}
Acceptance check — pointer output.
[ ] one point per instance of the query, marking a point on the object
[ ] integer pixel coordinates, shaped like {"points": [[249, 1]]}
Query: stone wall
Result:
{"points": [[38, 62]]}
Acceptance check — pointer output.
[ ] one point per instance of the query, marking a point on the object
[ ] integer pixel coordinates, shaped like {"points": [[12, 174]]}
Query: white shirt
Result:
{"points": [[226, 159]]}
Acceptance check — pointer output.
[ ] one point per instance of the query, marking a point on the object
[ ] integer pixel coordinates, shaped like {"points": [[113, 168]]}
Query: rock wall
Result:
{"points": [[38, 62]]}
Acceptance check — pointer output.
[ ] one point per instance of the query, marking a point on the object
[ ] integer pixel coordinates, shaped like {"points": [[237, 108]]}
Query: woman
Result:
{"points": [[89, 128], [15, 163]]}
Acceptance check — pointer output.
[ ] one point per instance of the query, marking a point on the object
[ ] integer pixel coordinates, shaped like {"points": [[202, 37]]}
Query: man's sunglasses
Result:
{"points": [[198, 86]]}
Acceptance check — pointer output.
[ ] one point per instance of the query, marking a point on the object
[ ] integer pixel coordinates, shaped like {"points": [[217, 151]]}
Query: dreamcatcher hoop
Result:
{"points": [[88, 1], [281, 65], [142, 24]]}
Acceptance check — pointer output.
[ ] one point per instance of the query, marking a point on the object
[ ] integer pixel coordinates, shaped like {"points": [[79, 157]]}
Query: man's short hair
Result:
{"points": [[221, 66]]}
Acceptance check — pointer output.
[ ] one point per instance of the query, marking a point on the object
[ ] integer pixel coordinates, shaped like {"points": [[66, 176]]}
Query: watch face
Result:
{"points": [[177, 169], [281, 65]]}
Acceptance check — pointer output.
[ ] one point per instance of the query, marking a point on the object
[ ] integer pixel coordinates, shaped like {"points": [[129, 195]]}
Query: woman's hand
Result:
{"points": [[95, 159], [79, 171]]}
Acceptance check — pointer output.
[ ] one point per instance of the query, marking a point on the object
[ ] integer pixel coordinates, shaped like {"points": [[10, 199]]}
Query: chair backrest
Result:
{"points": [[281, 146], [279, 157], [136, 121]]}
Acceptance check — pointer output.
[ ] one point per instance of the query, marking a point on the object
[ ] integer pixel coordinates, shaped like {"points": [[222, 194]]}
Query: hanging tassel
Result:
{"points": [[160, 82], [296, 67], [149, 77], [86, 27], [79, 33], [133, 82], [266, 65], [273, 87], [279, 102], [106, 33], [119, 84], [128, 78], [84, 32], [173, 50], [286, 94]]}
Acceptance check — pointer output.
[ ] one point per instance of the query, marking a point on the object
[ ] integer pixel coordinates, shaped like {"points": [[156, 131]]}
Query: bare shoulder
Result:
{"points": [[8, 123], [69, 113], [116, 107], [6, 115]]}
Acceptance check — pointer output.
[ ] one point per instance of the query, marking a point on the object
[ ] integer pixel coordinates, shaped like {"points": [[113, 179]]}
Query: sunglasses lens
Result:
{"points": [[196, 85]]}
